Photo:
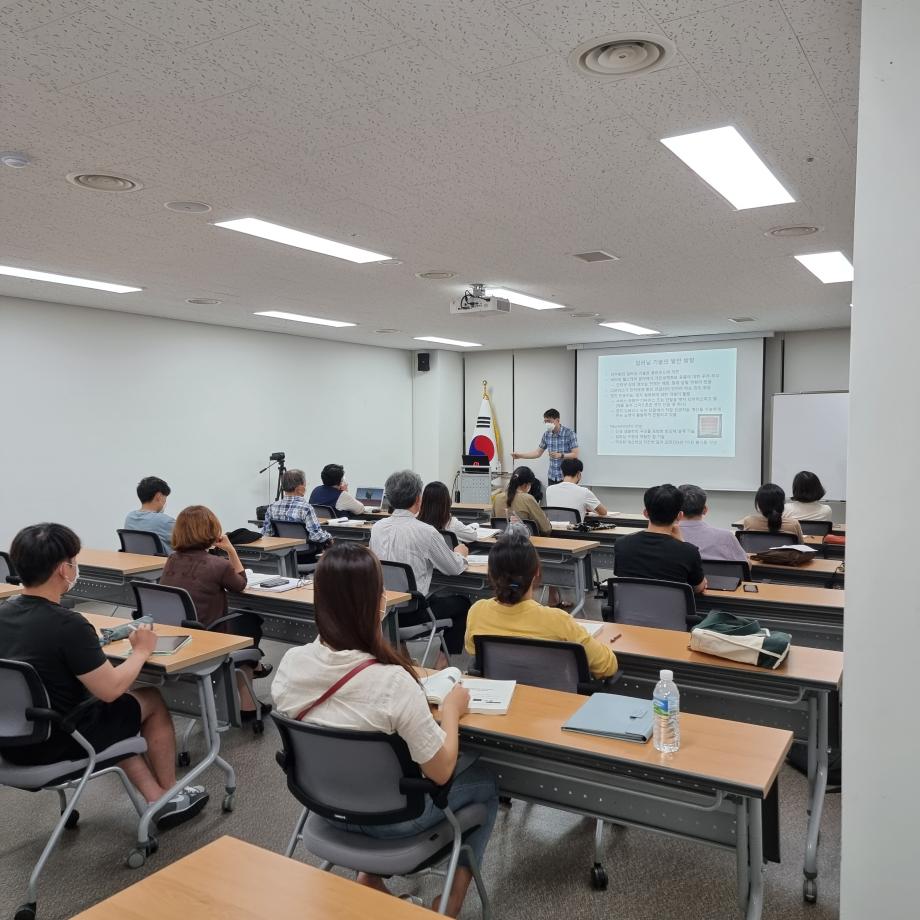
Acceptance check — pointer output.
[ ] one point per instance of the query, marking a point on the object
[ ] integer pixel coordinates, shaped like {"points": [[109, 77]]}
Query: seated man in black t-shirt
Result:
{"points": [[660, 551], [64, 649]]}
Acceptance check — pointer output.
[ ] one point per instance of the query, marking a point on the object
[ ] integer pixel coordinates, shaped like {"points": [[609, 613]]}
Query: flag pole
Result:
{"points": [[498, 433]]}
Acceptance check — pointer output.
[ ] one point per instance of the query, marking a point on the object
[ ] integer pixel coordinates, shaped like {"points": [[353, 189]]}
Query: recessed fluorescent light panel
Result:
{"points": [[630, 328], [278, 234], [66, 279], [724, 159], [300, 318], [524, 300], [440, 341], [828, 267]]}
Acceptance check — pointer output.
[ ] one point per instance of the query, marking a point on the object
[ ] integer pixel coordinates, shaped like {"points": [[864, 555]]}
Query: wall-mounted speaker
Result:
{"points": [[423, 361]]}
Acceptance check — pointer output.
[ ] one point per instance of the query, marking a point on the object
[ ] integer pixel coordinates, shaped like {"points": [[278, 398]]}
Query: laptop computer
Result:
{"points": [[369, 496], [475, 463]]}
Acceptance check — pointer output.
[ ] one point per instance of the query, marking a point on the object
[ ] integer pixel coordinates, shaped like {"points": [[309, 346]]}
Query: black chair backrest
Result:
{"points": [[20, 689], [727, 567], [349, 776], [7, 569], [166, 604], [557, 513], [502, 523], [756, 541], [450, 538], [816, 528], [650, 602], [324, 511], [294, 530], [144, 542], [535, 662], [398, 576]]}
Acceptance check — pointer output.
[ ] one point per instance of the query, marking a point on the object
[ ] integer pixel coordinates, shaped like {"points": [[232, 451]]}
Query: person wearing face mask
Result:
{"points": [[561, 442], [64, 650]]}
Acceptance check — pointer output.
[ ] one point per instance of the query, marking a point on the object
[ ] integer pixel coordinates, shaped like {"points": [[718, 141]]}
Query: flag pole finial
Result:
{"points": [[485, 388]]}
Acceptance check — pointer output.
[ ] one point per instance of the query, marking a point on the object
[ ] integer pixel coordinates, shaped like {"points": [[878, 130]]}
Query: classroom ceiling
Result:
{"points": [[452, 136]]}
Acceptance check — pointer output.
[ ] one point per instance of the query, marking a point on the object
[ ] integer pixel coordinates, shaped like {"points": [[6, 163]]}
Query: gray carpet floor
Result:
{"points": [[537, 865]]}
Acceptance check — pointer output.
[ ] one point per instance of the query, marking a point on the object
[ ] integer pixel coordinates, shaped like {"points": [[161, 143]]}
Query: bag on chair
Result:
{"points": [[740, 639]]}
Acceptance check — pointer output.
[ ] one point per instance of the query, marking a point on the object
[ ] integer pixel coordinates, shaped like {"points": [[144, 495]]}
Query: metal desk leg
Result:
{"points": [[580, 589], [755, 860], [741, 853], [209, 729], [287, 564], [818, 786]]}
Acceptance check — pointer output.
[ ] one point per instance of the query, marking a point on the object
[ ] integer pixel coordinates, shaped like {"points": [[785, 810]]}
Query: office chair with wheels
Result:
{"points": [[8, 573], [398, 576], [144, 542], [557, 513], [756, 541], [175, 607], [553, 666], [364, 778], [26, 718], [649, 602], [816, 528]]}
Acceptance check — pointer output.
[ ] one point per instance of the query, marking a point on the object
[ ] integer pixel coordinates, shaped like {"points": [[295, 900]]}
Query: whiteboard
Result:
{"points": [[810, 433]]}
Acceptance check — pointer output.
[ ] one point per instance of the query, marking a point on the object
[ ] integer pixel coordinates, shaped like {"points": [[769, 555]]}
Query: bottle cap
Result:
{"points": [[667, 675]]}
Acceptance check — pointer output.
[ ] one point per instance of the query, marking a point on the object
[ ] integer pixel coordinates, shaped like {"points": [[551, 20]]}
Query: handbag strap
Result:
{"points": [[357, 669]]}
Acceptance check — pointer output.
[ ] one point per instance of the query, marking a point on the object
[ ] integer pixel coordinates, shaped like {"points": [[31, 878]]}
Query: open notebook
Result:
{"points": [[488, 697]]}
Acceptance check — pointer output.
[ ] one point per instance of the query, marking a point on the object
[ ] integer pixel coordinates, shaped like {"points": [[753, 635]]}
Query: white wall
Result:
{"points": [[437, 413], [95, 400], [878, 875], [818, 360]]}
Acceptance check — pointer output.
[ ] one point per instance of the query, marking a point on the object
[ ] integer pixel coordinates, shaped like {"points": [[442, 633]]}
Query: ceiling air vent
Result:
{"points": [[597, 256], [100, 182], [741, 319], [612, 57]]}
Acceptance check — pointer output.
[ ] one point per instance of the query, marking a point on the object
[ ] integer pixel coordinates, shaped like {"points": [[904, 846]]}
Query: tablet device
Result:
{"points": [[169, 645]]}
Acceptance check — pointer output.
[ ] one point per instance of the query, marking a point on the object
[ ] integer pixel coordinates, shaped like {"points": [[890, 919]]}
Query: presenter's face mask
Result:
{"points": [[549, 426]]}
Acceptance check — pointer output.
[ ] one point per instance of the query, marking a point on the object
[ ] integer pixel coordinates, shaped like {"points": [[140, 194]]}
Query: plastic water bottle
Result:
{"points": [[666, 708]]}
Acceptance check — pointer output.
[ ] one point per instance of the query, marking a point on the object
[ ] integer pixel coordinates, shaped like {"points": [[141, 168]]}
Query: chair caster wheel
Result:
{"points": [[227, 804], [504, 801], [26, 912], [258, 727], [599, 878], [73, 819], [183, 759], [810, 890], [136, 858]]}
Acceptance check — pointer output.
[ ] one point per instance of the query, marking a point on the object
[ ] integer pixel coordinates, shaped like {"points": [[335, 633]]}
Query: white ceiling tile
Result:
{"points": [[834, 57], [664, 10], [807, 16], [564, 26], [476, 35], [184, 22], [22, 15]]}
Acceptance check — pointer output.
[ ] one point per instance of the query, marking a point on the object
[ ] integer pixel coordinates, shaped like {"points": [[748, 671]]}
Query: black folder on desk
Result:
{"points": [[610, 715]]}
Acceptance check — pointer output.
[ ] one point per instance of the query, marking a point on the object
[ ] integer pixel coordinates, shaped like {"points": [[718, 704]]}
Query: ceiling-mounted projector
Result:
{"points": [[475, 301]]}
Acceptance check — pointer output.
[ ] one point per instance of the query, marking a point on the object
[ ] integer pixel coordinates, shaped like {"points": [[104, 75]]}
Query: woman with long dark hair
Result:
{"points": [[517, 499], [384, 697], [436, 511], [770, 502]]}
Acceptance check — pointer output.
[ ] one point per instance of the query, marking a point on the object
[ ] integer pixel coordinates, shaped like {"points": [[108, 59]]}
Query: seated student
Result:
{"points": [[385, 697], [712, 542], [659, 551], [208, 578], [770, 502], [519, 500], [64, 649], [569, 494], [403, 538], [806, 504], [435, 510], [334, 491], [152, 492], [514, 572], [294, 507]]}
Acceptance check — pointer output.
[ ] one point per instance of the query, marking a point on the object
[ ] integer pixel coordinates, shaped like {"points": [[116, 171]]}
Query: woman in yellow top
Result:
{"points": [[514, 571], [519, 500]]}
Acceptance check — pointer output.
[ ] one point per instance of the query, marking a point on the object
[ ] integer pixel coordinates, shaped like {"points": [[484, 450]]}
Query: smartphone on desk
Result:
{"points": [[750, 589]]}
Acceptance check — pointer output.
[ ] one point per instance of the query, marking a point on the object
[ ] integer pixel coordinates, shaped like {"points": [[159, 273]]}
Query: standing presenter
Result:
{"points": [[560, 441]]}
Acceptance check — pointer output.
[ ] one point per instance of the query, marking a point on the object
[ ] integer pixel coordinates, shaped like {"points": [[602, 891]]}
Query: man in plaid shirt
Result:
{"points": [[294, 507], [561, 442]]}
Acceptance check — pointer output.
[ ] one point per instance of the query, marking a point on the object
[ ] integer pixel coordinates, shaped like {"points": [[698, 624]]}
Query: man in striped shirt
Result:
{"points": [[294, 507]]}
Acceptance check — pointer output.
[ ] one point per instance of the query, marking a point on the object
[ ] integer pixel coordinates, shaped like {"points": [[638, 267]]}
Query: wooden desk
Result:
{"points": [[279, 552], [713, 790], [290, 616], [105, 575], [817, 572], [232, 879], [470, 512], [603, 556], [835, 528], [795, 696], [8, 590], [813, 616], [188, 679], [356, 529]]}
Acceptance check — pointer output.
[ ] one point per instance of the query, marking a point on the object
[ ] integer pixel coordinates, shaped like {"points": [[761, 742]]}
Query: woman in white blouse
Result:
{"points": [[435, 510], [806, 504], [385, 697]]}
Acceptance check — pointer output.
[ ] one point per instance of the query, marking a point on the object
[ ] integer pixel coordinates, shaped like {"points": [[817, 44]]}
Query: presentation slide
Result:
{"points": [[667, 404], [672, 412]]}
